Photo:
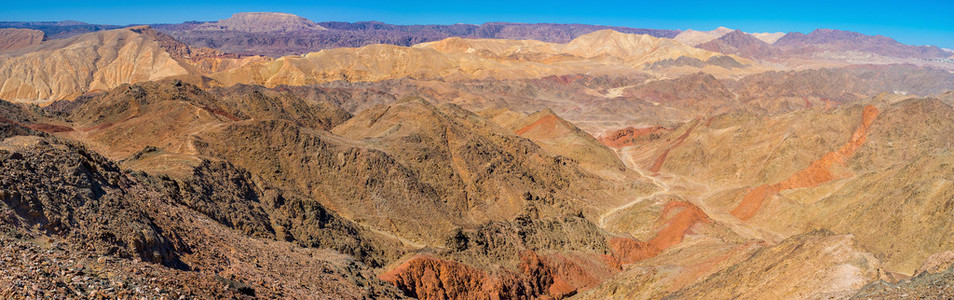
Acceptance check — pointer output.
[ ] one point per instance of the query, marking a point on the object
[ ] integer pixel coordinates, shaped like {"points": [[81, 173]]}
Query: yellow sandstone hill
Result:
{"points": [[67, 68]]}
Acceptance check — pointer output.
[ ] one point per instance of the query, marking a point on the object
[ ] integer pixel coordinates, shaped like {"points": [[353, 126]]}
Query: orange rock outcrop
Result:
{"points": [[541, 276], [673, 230], [538, 276], [549, 125], [817, 172], [657, 165]]}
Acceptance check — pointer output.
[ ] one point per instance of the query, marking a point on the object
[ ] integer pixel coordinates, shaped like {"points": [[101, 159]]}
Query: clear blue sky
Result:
{"points": [[912, 22]]}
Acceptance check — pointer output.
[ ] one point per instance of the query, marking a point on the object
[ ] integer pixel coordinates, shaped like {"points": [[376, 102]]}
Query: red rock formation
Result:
{"points": [[427, 277], [547, 124], [673, 230], [559, 275], [752, 201], [817, 172], [657, 165], [627, 250], [220, 112], [629, 136], [44, 127], [538, 276], [48, 128], [679, 225]]}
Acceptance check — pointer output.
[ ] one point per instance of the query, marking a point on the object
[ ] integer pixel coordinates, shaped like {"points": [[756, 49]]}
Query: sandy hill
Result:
{"points": [[67, 68], [768, 37]]}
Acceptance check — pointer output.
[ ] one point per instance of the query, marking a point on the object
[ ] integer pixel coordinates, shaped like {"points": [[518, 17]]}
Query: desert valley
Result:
{"points": [[267, 155]]}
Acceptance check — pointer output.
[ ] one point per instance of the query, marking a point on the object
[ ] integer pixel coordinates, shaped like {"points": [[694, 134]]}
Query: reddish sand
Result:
{"points": [[44, 127], [628, 136], [817, 172], [548, 126], [221, 112], [657, 165], [673, 230], [48, 128]]}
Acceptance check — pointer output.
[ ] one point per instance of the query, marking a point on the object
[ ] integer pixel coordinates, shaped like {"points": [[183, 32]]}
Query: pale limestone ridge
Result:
{"points": [[768, 37], [694, 37]]}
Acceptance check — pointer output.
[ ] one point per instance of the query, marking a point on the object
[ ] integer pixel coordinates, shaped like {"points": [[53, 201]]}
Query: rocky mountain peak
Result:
{"points": [[265, 22]]}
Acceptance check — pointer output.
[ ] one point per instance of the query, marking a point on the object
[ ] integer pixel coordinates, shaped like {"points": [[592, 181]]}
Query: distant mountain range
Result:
{"points": [[279, 34]]}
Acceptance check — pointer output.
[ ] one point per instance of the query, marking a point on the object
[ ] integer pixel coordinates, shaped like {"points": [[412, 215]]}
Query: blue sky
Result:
{"points": [[912, 22]]}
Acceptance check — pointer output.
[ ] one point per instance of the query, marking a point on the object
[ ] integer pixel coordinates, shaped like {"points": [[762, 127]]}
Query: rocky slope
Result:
{"points": [[818, 264], [109, 224], [498, 176], [937, 280], [801, 171], [448, 203], [481, 170]]}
